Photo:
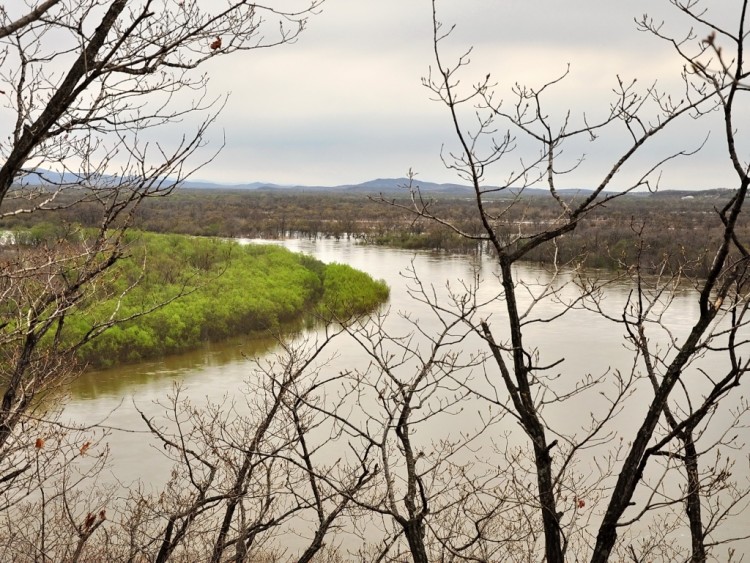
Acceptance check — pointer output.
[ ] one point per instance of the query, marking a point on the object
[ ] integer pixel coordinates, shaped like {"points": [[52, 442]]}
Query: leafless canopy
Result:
{"points": [[88, 89], [450, 443]]}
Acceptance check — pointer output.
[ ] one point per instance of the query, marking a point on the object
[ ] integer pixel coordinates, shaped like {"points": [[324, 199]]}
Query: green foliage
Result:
{"points": [[217, 289], [347, 291], [41, 233]]}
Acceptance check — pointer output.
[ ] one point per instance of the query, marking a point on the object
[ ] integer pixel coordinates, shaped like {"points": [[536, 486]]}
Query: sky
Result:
{"points": [[345, 103]]}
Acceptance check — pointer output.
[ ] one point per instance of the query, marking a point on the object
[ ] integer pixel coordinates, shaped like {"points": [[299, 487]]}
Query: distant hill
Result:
{"points": [[392, 186], [716, 193], [379, 185], [41, 177], [211, 185], [402, 184]]}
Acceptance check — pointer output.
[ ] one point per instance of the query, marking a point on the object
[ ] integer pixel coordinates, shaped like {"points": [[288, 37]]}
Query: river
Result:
{"points": [[585, 342]]}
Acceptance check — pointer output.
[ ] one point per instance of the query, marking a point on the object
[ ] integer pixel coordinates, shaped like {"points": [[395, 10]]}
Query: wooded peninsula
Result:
{"points": [[177, 291]]}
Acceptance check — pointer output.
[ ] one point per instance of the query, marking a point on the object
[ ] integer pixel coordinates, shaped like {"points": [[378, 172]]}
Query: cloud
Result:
{"points": [[345, 102]]}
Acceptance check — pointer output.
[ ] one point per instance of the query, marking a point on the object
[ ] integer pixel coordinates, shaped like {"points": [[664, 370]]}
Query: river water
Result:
{"points": [[586, 344]]}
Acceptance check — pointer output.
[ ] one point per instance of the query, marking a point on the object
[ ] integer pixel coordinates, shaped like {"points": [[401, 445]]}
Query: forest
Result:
{"points": [[651, 227]]}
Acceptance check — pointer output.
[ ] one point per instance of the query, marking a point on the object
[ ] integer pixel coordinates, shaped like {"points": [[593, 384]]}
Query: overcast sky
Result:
{"points": [[345, 103]]}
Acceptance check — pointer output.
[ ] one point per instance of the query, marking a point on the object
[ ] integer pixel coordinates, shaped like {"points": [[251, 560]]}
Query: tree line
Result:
{"points": [[649, 226]]}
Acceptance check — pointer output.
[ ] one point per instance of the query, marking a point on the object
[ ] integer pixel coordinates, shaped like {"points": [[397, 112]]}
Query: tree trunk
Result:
{"points": [[414, 532], [693, 500]]}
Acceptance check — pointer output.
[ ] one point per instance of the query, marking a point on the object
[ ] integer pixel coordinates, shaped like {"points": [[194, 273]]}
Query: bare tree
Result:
{"points": [[84, 84], [243, 472], [672, 437], [412, 387]]}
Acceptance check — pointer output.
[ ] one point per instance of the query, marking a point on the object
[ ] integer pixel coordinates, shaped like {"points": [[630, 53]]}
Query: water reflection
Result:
{"points": [[132, 378]]}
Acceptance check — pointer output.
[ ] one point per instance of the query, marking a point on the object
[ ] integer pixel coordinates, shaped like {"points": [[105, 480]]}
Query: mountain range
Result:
{"points": [[392, 186], [377, 185]]}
